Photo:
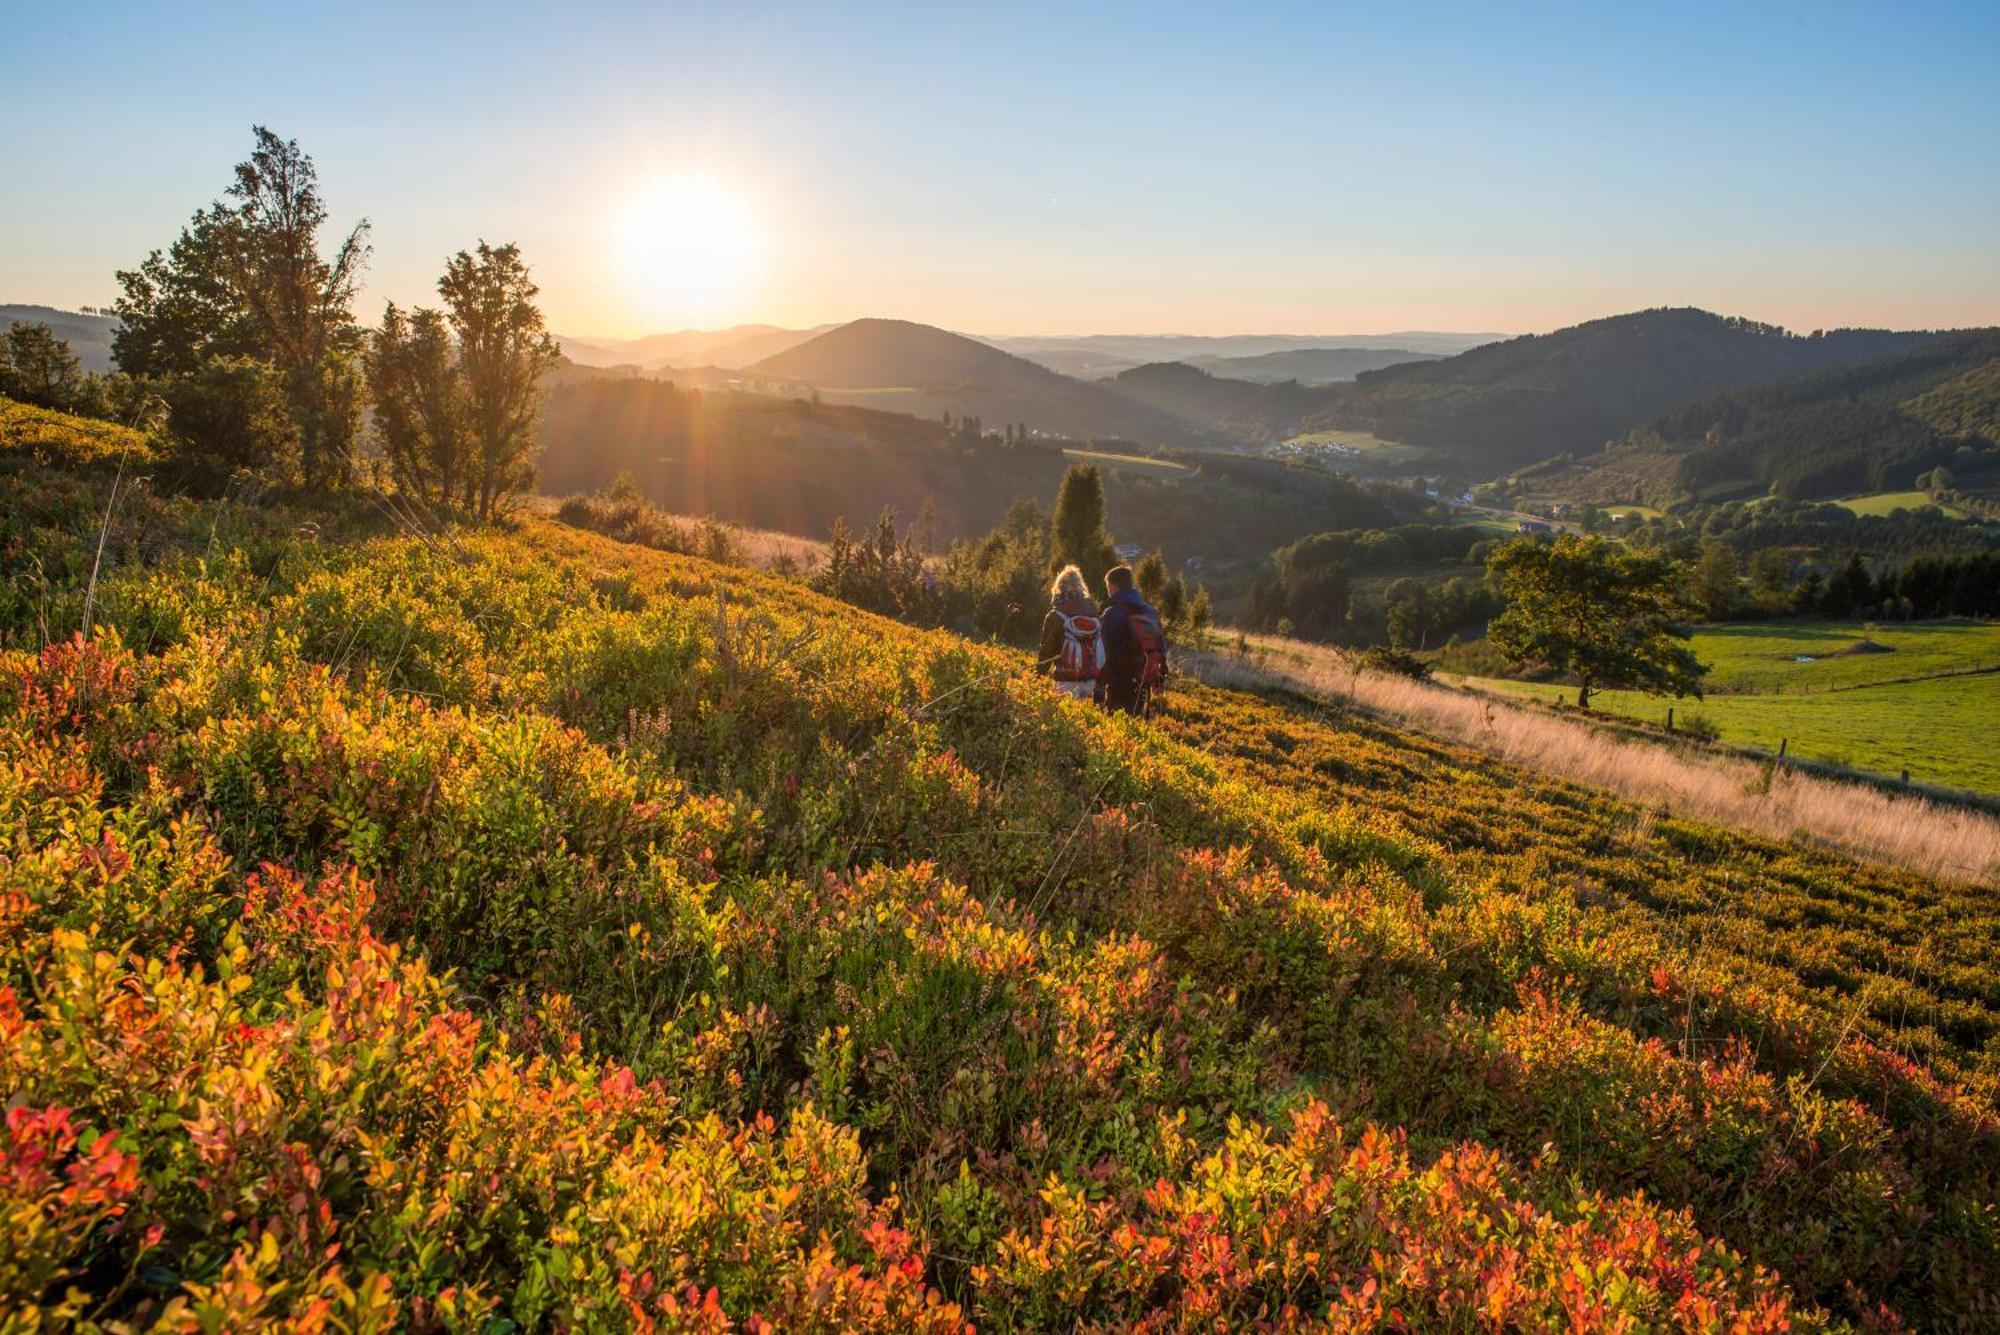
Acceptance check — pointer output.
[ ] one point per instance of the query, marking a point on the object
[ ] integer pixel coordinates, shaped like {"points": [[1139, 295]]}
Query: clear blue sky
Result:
{"points": [[1059, 169]]}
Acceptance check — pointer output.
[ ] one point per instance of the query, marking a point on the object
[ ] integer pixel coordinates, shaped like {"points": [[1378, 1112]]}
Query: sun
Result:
{"points": [[689, 245]]}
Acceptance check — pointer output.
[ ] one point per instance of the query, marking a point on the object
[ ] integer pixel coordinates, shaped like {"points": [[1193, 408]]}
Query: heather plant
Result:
{"points": [[533, 929]]}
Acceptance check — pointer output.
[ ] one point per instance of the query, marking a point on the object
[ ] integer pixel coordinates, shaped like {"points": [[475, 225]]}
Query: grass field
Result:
{"points": [[1764, 659], [1938, 729], [1887, 502], [1859, 710], [1642, 511], [1131, 463]]}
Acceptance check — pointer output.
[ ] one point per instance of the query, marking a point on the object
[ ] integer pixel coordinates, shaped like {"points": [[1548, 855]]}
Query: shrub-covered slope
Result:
{"points": [[408, 932]]}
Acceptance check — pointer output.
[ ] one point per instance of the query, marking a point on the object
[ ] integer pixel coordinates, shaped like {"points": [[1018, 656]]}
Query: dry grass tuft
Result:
{"points": [[1932, 838]]}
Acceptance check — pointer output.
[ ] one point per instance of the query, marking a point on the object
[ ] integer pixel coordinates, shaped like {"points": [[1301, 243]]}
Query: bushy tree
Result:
{"points": [[1406, 606], [503, 352], [1607, 614], [1716, 578], [458, 391], [420, 417], [1001, 581], [247, 279], [230, 416], [37, 367], [1077, 534], [884, 572]]}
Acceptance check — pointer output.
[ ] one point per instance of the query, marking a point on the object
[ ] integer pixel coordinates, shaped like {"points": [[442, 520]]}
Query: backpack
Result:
{"points": [[1082, 657], [1149, 649]]}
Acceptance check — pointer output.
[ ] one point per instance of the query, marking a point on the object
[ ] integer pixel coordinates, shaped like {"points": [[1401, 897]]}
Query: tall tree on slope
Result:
{"points": [[1604, 613]]}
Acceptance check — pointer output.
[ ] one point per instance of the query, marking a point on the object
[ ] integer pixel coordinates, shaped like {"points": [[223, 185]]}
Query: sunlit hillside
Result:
{"points": [[515, 929]]}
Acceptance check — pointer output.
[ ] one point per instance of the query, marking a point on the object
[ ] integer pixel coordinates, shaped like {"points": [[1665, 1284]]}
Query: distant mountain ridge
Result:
{"points": [[88, 335]]}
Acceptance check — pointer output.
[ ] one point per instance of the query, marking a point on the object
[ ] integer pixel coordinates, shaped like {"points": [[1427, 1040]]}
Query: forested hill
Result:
{"points": [[796, 466], [1540, 395], [917, 368], [1238, 410], [1872, 427], [87, 333]]}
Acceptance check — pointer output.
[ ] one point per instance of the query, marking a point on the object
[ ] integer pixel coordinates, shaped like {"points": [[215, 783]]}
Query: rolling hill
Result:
{"points": [[1541, 395], [1865, 428], [797, 466], [731, 348], [1309, 366], [88, 336], [1242, 411], [513, 929], [1872, 427], [915, 368], [1097, 355]]}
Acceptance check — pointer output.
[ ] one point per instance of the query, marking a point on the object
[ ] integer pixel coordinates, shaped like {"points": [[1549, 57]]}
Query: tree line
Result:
{"points": [[239, 344]]}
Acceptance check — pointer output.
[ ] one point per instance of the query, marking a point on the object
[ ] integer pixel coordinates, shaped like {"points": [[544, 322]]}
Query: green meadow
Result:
{"points": [[1926, 705]]}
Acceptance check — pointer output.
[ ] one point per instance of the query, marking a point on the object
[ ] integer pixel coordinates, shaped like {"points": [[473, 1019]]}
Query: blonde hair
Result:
{"points": [[1070, 586]]}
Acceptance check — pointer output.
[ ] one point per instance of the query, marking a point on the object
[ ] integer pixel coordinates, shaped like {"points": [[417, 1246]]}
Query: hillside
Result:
{"points": [[1534, 397], [796, 466], [732, 348], [1865, 428], [88, 336], [1097, 355], [1310, 366], [518, 929], [1240, 411], [915, 368]]}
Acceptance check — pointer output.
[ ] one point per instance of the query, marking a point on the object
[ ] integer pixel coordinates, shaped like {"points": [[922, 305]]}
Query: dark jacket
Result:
{"points": [[1121, 651], [1052, 630]]}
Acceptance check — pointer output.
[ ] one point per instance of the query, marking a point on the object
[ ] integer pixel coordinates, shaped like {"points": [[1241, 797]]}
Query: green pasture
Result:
{"points": [[1928, 704], [1888, 502], [1940, 729]]}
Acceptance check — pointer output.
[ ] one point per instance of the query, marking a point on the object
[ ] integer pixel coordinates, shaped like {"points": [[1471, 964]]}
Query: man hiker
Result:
{"points": [[1072, 648], [1135, 646]]}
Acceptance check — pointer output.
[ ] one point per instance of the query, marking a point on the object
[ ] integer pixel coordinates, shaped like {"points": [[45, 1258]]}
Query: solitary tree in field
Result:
{"points": [[1076, 534], [1612, 617]]}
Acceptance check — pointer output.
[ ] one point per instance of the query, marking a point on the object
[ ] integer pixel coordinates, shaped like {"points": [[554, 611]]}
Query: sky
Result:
{"points": [[1061, 169]]}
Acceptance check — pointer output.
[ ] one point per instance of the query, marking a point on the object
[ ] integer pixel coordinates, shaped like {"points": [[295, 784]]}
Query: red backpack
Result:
{"points": [[1149, 648], [1082, 648]]}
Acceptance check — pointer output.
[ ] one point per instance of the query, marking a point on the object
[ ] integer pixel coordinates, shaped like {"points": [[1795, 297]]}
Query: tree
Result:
{"points": [[503, 353], [230, 416], [177, 310], [458, 391], [37, 367], [420, 410], [1077, 533], [1771, 574], [1716, 576], [1406, 606], [246, 279], [1151, 576], [1604, 613], [300, 304]]}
